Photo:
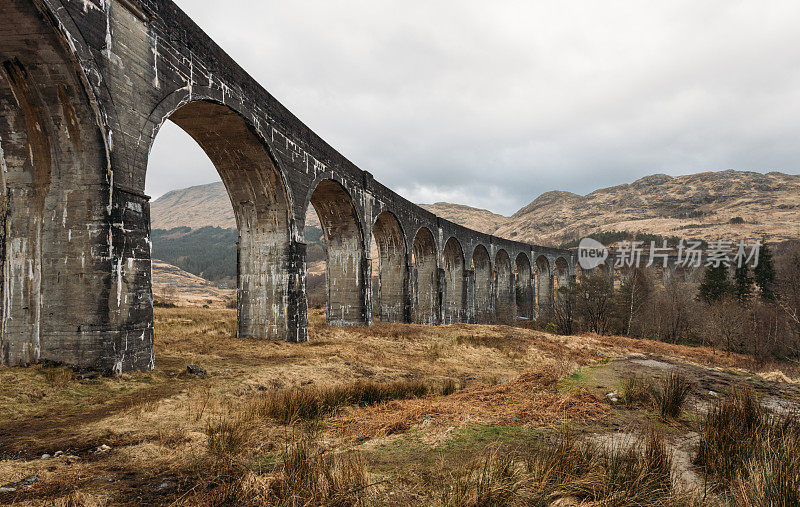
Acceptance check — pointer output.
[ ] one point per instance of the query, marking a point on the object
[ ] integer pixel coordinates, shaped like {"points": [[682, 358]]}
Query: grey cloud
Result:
{"points": [[492, 104]]}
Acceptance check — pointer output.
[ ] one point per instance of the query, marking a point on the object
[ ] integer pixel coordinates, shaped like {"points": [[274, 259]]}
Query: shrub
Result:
{"points": [[577, 471], [753, 455], [671, 394], [309, 403], [227, 435]]}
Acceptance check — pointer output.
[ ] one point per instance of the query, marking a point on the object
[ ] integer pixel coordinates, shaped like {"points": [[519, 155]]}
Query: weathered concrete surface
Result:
{"points": [[85, 86]]}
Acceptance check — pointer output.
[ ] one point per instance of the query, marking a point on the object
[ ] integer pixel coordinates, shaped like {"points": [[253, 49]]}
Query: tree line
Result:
{"points": [[747, 310]]}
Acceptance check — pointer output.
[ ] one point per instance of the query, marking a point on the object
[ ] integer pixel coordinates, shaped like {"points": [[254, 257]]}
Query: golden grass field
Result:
{"points": [[171, 437]]}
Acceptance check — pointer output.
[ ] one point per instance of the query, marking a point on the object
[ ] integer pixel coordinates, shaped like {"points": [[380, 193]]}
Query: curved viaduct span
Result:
{"points": [[84, 89]]}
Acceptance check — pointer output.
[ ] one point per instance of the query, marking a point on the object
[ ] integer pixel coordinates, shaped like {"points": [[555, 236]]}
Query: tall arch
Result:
{"points": [[504, 288], [544, 286], [261, 208], [426, 302], [454, 290], [560, 276], [482, 266], [346, 259], [524, 289], [392, 296]]}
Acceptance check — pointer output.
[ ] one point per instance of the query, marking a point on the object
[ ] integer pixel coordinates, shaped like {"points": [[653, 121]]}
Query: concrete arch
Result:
{"points": [[74, 228], [392, 296], [262, 210], [427, 296], [544, 286], [524, 287], [505, 305], [179, 99], [560, 276], [482, 267], [346, 259], [453, 288]]}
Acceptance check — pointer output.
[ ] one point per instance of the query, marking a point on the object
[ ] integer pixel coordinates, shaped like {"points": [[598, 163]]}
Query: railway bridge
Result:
{"points": [[84, 88]]}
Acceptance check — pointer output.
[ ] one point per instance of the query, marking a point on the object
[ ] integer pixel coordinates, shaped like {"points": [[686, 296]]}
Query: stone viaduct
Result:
{"points": [[84, 88]]}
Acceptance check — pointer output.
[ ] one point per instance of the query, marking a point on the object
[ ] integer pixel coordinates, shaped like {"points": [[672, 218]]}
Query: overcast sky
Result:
{"points": [[492, 103]]}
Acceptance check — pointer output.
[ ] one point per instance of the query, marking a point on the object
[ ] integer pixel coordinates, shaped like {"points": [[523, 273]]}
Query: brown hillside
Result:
{"points": [[199, 206], [174, 285], [478, 219], [697, 205]]}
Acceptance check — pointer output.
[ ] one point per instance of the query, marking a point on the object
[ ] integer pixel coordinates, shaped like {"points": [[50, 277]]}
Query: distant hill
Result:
{"points": [[198, 206], [173, 285], [194, 207], [710, 205], [475, 218]]}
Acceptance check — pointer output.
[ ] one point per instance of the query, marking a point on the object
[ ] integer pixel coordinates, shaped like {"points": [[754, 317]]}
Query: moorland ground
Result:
{"points": [[389, 414]]}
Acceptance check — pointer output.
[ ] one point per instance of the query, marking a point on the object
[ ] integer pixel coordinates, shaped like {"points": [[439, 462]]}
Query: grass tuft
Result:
{"points": [[753, 455], [637, 392], [670, 394], [572, 471], [227, 435], [310, 476], [288, 406]]}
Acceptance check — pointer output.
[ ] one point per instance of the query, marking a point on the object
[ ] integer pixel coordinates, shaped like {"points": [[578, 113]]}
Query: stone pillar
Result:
{"points": [[441, 276], [408, 297], [469, 296], [297, 304], [367, 284]]}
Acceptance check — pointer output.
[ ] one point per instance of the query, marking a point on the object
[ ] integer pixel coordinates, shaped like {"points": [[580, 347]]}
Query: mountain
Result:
{"points": [[478, 219], [709, 205], [195, 207], [198, 206]]}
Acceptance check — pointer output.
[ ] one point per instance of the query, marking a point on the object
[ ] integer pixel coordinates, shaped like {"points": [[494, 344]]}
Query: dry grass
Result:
{"points": [[222, 438], [291, 405], [572, 471], [670, 394], [530, 399], [701, 355], [305, 473], [753, 455], [228, 434]]}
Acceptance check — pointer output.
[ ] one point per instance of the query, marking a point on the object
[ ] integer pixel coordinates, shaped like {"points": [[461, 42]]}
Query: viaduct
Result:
{"points": [[84, 88]]}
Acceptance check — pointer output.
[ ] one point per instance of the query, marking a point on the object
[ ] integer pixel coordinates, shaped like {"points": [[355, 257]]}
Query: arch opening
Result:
{"points": [[482, 266], [261, 207], [504, 288], [524, 288], [346, 268], [390, 294], [453, 289], [426, 302]]}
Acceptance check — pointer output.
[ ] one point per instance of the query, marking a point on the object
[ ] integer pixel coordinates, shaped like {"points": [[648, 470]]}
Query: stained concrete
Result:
{"points": [[85, 86]]}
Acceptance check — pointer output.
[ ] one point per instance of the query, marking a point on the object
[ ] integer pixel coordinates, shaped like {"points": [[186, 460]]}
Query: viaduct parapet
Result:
{"points": [[84, 88]]}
